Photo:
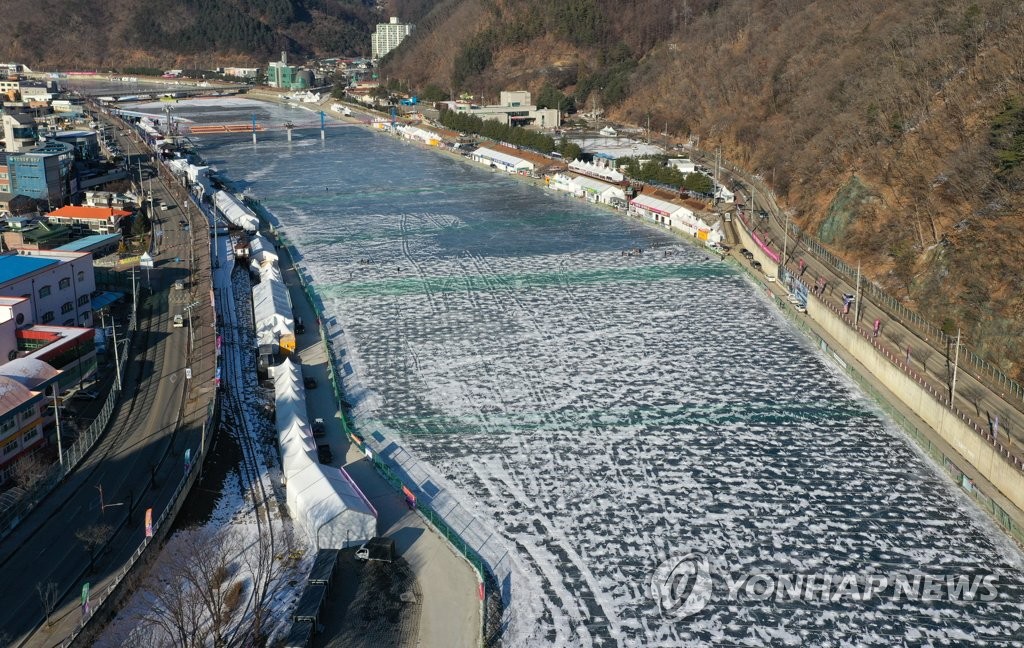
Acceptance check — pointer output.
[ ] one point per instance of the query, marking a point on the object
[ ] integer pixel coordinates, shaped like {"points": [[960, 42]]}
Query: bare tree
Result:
{"points": [[30, 470], [48, 598], [92, 538], [214, 589]]}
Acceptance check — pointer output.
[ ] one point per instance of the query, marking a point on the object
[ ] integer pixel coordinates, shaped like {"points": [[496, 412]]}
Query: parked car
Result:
{"points": [[382, 549], [179, 284], [299, 326], [324, 454], [179, 321], [309, 382], [319, 429]]}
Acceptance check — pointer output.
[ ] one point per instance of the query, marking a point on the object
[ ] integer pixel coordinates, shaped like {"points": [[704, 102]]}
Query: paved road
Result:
{"points": [[451, 608], [138, 464]]}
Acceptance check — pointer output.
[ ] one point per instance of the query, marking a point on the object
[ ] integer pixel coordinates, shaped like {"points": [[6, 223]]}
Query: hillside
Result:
{"points": [[119, 34], [894, 131]]}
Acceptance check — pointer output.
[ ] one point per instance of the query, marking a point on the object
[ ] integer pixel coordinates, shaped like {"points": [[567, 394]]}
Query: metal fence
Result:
{"points": [[490, 623], [11, 516], [984, 370]]}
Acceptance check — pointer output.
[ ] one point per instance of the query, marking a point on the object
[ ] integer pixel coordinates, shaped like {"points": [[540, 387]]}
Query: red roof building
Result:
{"points": [[102, 220]]}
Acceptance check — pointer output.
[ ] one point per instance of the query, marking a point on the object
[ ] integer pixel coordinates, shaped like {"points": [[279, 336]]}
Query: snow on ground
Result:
{"points": [[234, 518], [603, 412], [579, 415]]}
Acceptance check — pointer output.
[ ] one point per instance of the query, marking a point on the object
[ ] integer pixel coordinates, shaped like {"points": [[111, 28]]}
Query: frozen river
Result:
{"points": [[586, 415]]}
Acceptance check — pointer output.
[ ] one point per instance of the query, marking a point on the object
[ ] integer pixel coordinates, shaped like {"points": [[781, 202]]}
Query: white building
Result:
{"points": [[596, 191], [674, 216], [388, 36], [503, 161], [58, 285], [514, 109]]}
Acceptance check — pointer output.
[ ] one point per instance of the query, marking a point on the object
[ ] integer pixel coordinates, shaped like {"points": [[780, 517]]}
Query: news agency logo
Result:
{"points": [[682, 586]]}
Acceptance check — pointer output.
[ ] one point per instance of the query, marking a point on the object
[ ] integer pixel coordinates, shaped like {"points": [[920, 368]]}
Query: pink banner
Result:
{"points": [[764, 248]]}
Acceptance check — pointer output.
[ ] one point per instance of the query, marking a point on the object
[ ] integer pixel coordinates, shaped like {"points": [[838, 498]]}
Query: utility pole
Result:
{"points": [[56, 418], [117, 358], [785, 242], [956, 363], [856, 303]]}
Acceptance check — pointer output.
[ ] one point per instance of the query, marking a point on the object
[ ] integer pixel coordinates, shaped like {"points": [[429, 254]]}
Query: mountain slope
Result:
{"points": [[114, 34], [895, 131]]}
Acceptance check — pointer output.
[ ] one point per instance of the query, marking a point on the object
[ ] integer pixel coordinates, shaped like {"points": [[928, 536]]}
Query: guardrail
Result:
{"points": [[490, 624]]}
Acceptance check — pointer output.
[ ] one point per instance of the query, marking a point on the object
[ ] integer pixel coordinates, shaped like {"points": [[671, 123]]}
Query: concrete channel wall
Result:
{"points": [[1003, 476]]}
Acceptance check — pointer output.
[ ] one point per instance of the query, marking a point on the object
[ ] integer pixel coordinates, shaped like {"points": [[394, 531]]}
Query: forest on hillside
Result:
{"points": [[893, 131], [115, 34]]}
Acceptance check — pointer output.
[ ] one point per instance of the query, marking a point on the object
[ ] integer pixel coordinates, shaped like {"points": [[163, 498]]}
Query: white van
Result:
{"points": [[179, 321]]}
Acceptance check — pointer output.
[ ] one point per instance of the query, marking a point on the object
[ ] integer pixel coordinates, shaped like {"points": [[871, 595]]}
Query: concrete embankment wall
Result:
{"points": [[974, 447]]}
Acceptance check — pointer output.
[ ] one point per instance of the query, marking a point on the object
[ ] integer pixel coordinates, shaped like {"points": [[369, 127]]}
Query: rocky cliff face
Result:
{"points": [[893, 131]]}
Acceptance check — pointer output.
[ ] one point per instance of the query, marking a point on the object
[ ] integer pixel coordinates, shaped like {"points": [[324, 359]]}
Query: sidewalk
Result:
{"points": [[451, 607]]}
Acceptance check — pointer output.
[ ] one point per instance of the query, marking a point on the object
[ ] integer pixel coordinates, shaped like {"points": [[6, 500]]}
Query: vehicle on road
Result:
{"points": [[319, 429], [324, 454], [179, 284], [86, 394], [299, 326], [382, 549], [309, 383], [179, 321]]}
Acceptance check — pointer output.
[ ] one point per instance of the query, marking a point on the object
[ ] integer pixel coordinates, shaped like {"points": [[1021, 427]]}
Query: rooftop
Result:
{"points": [[89, 241], [81, 211], [13, 266]]}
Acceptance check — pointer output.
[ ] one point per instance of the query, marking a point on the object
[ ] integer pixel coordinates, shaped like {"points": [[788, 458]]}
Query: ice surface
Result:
{"points": [[579, 415]]}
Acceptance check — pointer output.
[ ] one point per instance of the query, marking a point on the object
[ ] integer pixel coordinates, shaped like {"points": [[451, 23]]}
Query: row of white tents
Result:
{"points": [[235, 211], [272, 305], [323, 500]]}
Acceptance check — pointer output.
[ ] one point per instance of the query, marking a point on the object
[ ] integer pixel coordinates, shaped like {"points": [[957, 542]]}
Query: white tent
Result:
{"points": [[272, 312], [261, 251], [289, 397], [329, 507], [235, 211], [323, 500], [503, 161], [597, 191]]}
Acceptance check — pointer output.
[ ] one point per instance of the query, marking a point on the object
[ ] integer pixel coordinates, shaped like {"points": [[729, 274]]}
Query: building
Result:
{"points": [[241, 72], [101, 220], [20, 132], [596, 191], [98, 245], [85, 142], [44, 172], [502, 161], [59, 285], [388, 36], [674, 216], [5, 176], [37, 90], [27, 386], [514, 109], [284, 76]]}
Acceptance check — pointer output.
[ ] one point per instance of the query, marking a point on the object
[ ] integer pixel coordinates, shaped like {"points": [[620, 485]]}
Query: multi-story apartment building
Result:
{"points": [[388, 36]]}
